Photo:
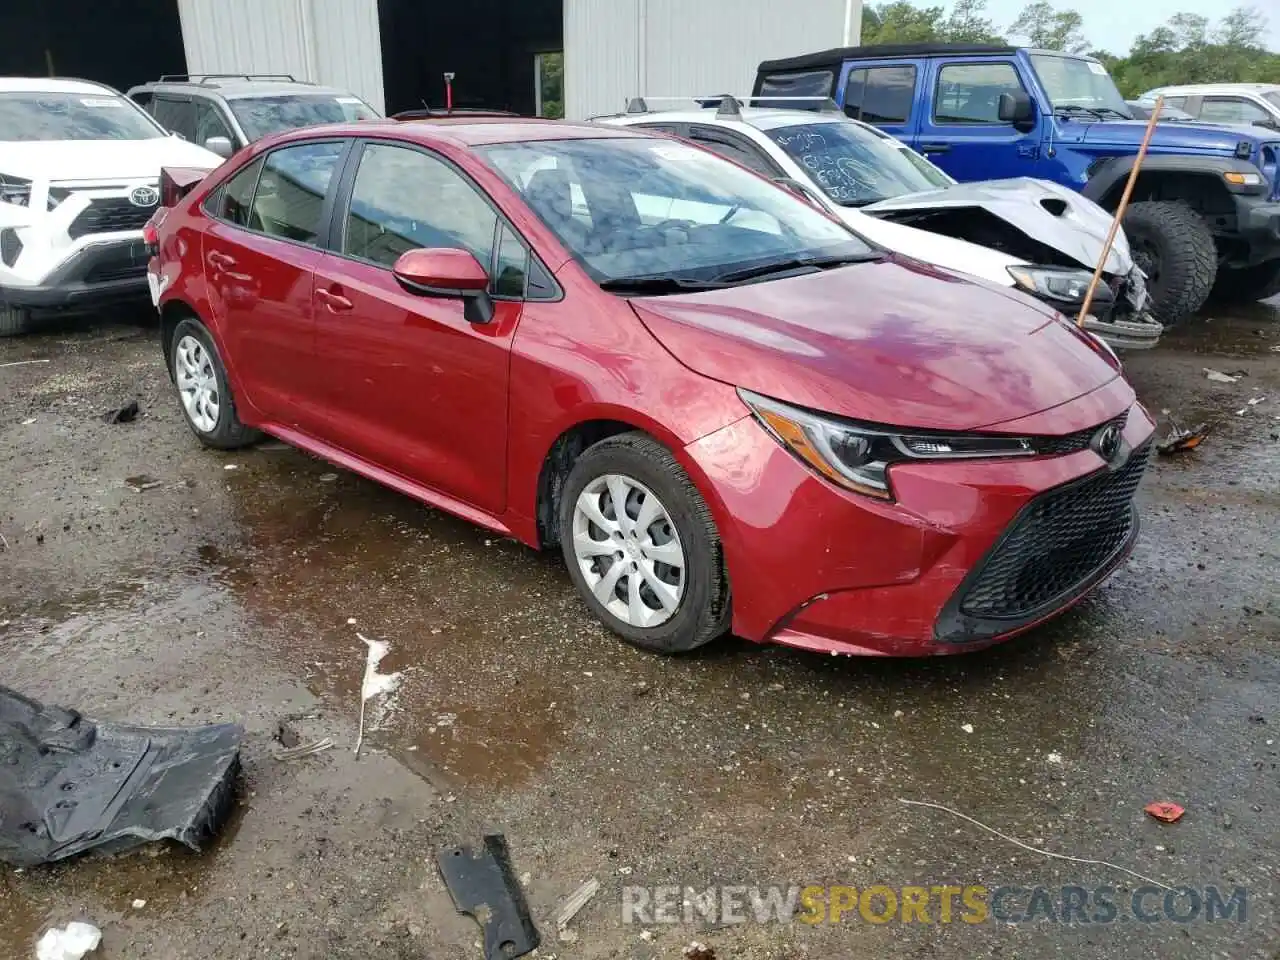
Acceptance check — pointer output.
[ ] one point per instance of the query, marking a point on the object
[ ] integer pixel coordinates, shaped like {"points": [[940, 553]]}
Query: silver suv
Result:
{"points": [[224, 112]]}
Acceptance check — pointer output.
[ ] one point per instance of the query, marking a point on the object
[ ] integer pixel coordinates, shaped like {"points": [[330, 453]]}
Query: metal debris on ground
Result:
{"points": [[1217, 376], [130, 785], [305, 750], [126, 414], [71, 942], [142, 482], [21, 363], [1165, 812], [574, 903], [1180, 439], [484, 886]]}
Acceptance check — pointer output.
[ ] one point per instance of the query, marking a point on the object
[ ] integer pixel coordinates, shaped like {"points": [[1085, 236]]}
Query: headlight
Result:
{"points": [[858, 456], [1243, 179], [1057, 283], [15, 190]]}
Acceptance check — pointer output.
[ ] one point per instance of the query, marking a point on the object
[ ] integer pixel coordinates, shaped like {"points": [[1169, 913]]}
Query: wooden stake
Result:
{"points": [[1124, 203]]}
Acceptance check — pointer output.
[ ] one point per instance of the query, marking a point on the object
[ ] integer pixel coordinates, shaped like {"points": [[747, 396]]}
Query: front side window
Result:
{"points": [[233, 202], [1075, 82], [657, 208], [1272, 97], [970, 92], [176, 116], [260, 116], [853, 166], [512, 265], [292, 188], [880, 94], [404, 199], [28, 116], [731, 148], [209, 123], [1231, 110]]}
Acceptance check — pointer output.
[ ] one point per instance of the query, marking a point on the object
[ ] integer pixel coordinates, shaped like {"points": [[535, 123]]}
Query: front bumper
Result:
{"points": [[1117, 314], [1259, 224], [815, 567], [97, 275]]}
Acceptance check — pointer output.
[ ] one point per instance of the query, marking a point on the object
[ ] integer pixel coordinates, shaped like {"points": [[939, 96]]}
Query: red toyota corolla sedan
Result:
{"points": [[727, 410]]}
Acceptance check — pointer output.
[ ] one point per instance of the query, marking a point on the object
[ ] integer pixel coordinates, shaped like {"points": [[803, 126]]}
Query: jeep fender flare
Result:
{"points": [[1109, 174]]}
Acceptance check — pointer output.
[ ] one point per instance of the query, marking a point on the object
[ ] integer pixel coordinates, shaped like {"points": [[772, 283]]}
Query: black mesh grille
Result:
{"points": [[126, 261], [1074, 442], [10, 246], [1057, 544], [106, 215]]}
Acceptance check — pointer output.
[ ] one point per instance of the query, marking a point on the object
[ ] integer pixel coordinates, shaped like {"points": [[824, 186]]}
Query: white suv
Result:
{"points": [[79, 178]]}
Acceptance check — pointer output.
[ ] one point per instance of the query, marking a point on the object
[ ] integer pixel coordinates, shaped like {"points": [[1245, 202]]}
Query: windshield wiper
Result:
{"points": [[1112, 112], [1074, 108], [797, 263], [659, 284]]}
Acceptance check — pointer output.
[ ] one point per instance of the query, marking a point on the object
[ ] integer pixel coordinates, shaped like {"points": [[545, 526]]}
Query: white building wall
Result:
{"points": [[618, 49], [333, 42]]}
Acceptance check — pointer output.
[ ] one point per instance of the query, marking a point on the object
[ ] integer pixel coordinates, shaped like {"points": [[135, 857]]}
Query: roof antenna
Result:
{"points": [[637, 105], [730, 108]]}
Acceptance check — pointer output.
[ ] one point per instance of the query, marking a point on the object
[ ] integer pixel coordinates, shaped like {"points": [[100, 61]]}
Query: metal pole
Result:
{"points": [[1124, 203]]}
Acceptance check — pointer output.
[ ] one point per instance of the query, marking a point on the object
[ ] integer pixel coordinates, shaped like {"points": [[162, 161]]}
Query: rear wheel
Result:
{"points": [[641, 546], [1248, 284], [13, 321], [1173, 246], [203, 389]]}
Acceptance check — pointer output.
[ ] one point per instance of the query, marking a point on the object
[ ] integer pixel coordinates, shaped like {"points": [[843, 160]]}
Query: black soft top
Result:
{"points": [[837, 55]]}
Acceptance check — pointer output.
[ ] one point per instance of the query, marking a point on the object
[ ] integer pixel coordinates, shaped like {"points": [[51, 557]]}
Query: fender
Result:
{"points": [[1109, 173]]}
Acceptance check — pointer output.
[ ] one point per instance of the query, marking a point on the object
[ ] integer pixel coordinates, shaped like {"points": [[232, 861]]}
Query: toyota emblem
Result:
{"points": [[1107, 442], [144, 196]]}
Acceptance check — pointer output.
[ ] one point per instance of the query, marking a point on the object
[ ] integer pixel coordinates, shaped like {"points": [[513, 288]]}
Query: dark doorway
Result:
{"points": [[490, 46], [120, 44]]}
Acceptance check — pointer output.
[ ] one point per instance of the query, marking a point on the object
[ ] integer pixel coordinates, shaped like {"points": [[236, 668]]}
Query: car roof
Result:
{"points": [[463, 131], [237, 88], [53, 85], [884, 51], [1214, 88], [761, 118]]}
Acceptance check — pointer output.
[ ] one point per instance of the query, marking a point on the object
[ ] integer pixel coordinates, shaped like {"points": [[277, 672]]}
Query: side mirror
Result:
{"points": [[1269, 124], [447, 272], [1016, 108], [801, 191], [219, 145]]}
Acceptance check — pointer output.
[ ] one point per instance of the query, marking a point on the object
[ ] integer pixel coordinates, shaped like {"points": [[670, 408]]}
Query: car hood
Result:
{"points": [[1191, 137], [101, 160], [890, 341], [960, 255], [1078, 231]]}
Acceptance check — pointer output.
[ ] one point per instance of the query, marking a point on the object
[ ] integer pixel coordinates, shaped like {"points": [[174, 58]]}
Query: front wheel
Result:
{"points": [[641, 546], [1172, 245], [1247, 284]]}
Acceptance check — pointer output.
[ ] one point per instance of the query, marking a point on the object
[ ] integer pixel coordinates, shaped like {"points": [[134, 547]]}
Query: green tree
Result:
{"points": [[900, 22], [967, 24], [1050, 29]]}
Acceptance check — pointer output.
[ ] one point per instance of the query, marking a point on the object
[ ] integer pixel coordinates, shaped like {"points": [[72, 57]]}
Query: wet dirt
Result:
{"points": [[235, 586]]}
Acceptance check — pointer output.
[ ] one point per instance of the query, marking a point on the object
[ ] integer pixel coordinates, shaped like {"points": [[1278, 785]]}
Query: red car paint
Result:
{"points": [[336, 357]]}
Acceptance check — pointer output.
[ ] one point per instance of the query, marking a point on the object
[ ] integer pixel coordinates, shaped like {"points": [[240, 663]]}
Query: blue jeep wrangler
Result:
{"points": [[1205, 214]]}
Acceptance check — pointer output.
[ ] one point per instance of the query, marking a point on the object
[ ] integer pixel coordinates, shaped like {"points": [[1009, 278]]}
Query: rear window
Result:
{"points": [[72, 116], [261, 116], [811, 83]]}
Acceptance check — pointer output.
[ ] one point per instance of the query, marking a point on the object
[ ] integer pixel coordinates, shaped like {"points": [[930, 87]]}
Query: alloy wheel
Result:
{"points": [[197, 383]]}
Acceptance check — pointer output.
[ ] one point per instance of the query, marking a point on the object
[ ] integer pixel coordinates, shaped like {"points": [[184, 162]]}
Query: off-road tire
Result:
{"points": [[1259, 282], [704, 610], [229, 433], [1185, 257], [14, 321]]}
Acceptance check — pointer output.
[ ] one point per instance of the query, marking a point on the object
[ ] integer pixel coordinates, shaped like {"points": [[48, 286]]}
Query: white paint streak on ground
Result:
{"points": [[378, 687]]}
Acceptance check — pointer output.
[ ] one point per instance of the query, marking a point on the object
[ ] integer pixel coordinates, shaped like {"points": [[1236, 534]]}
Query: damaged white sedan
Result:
{"points": [[1027, 234]]}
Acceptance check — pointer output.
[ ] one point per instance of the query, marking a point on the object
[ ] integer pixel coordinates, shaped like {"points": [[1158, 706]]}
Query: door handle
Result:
{"points": [[334, 301], [934, 147], [220, 261]]}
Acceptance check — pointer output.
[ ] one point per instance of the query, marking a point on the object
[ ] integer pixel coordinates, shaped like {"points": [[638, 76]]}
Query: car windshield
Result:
{"points": [[1272, 96], [854, 166], [1073, 82], [645, 208], [72, 116], [260, 116]]}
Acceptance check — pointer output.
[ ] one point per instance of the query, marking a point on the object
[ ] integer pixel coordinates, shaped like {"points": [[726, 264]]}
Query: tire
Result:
{"points": [[1173, 246], [14, 321], [223, 431], [702, 610], [1259, 282]]}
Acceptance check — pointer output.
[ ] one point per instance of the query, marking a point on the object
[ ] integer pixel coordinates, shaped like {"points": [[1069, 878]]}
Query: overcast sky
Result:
{"points": [[1111, 25]]}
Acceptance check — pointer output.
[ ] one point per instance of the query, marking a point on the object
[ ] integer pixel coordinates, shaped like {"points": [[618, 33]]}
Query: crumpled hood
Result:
{"points": [[943, 251], [1027, 204], [892, 341], [101, 160]]}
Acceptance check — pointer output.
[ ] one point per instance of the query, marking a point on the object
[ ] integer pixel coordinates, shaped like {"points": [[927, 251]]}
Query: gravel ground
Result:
{"points": [[228, 593]]}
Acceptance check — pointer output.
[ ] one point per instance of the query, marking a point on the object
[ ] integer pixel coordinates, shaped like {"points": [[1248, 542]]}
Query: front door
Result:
{"points": [[963, 132], [412, 385], [259, 255]]}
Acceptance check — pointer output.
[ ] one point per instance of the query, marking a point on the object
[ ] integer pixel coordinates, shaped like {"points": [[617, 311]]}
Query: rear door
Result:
{"points": [[962, 132], [260, 253], [411, 384], [883, 93]]}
